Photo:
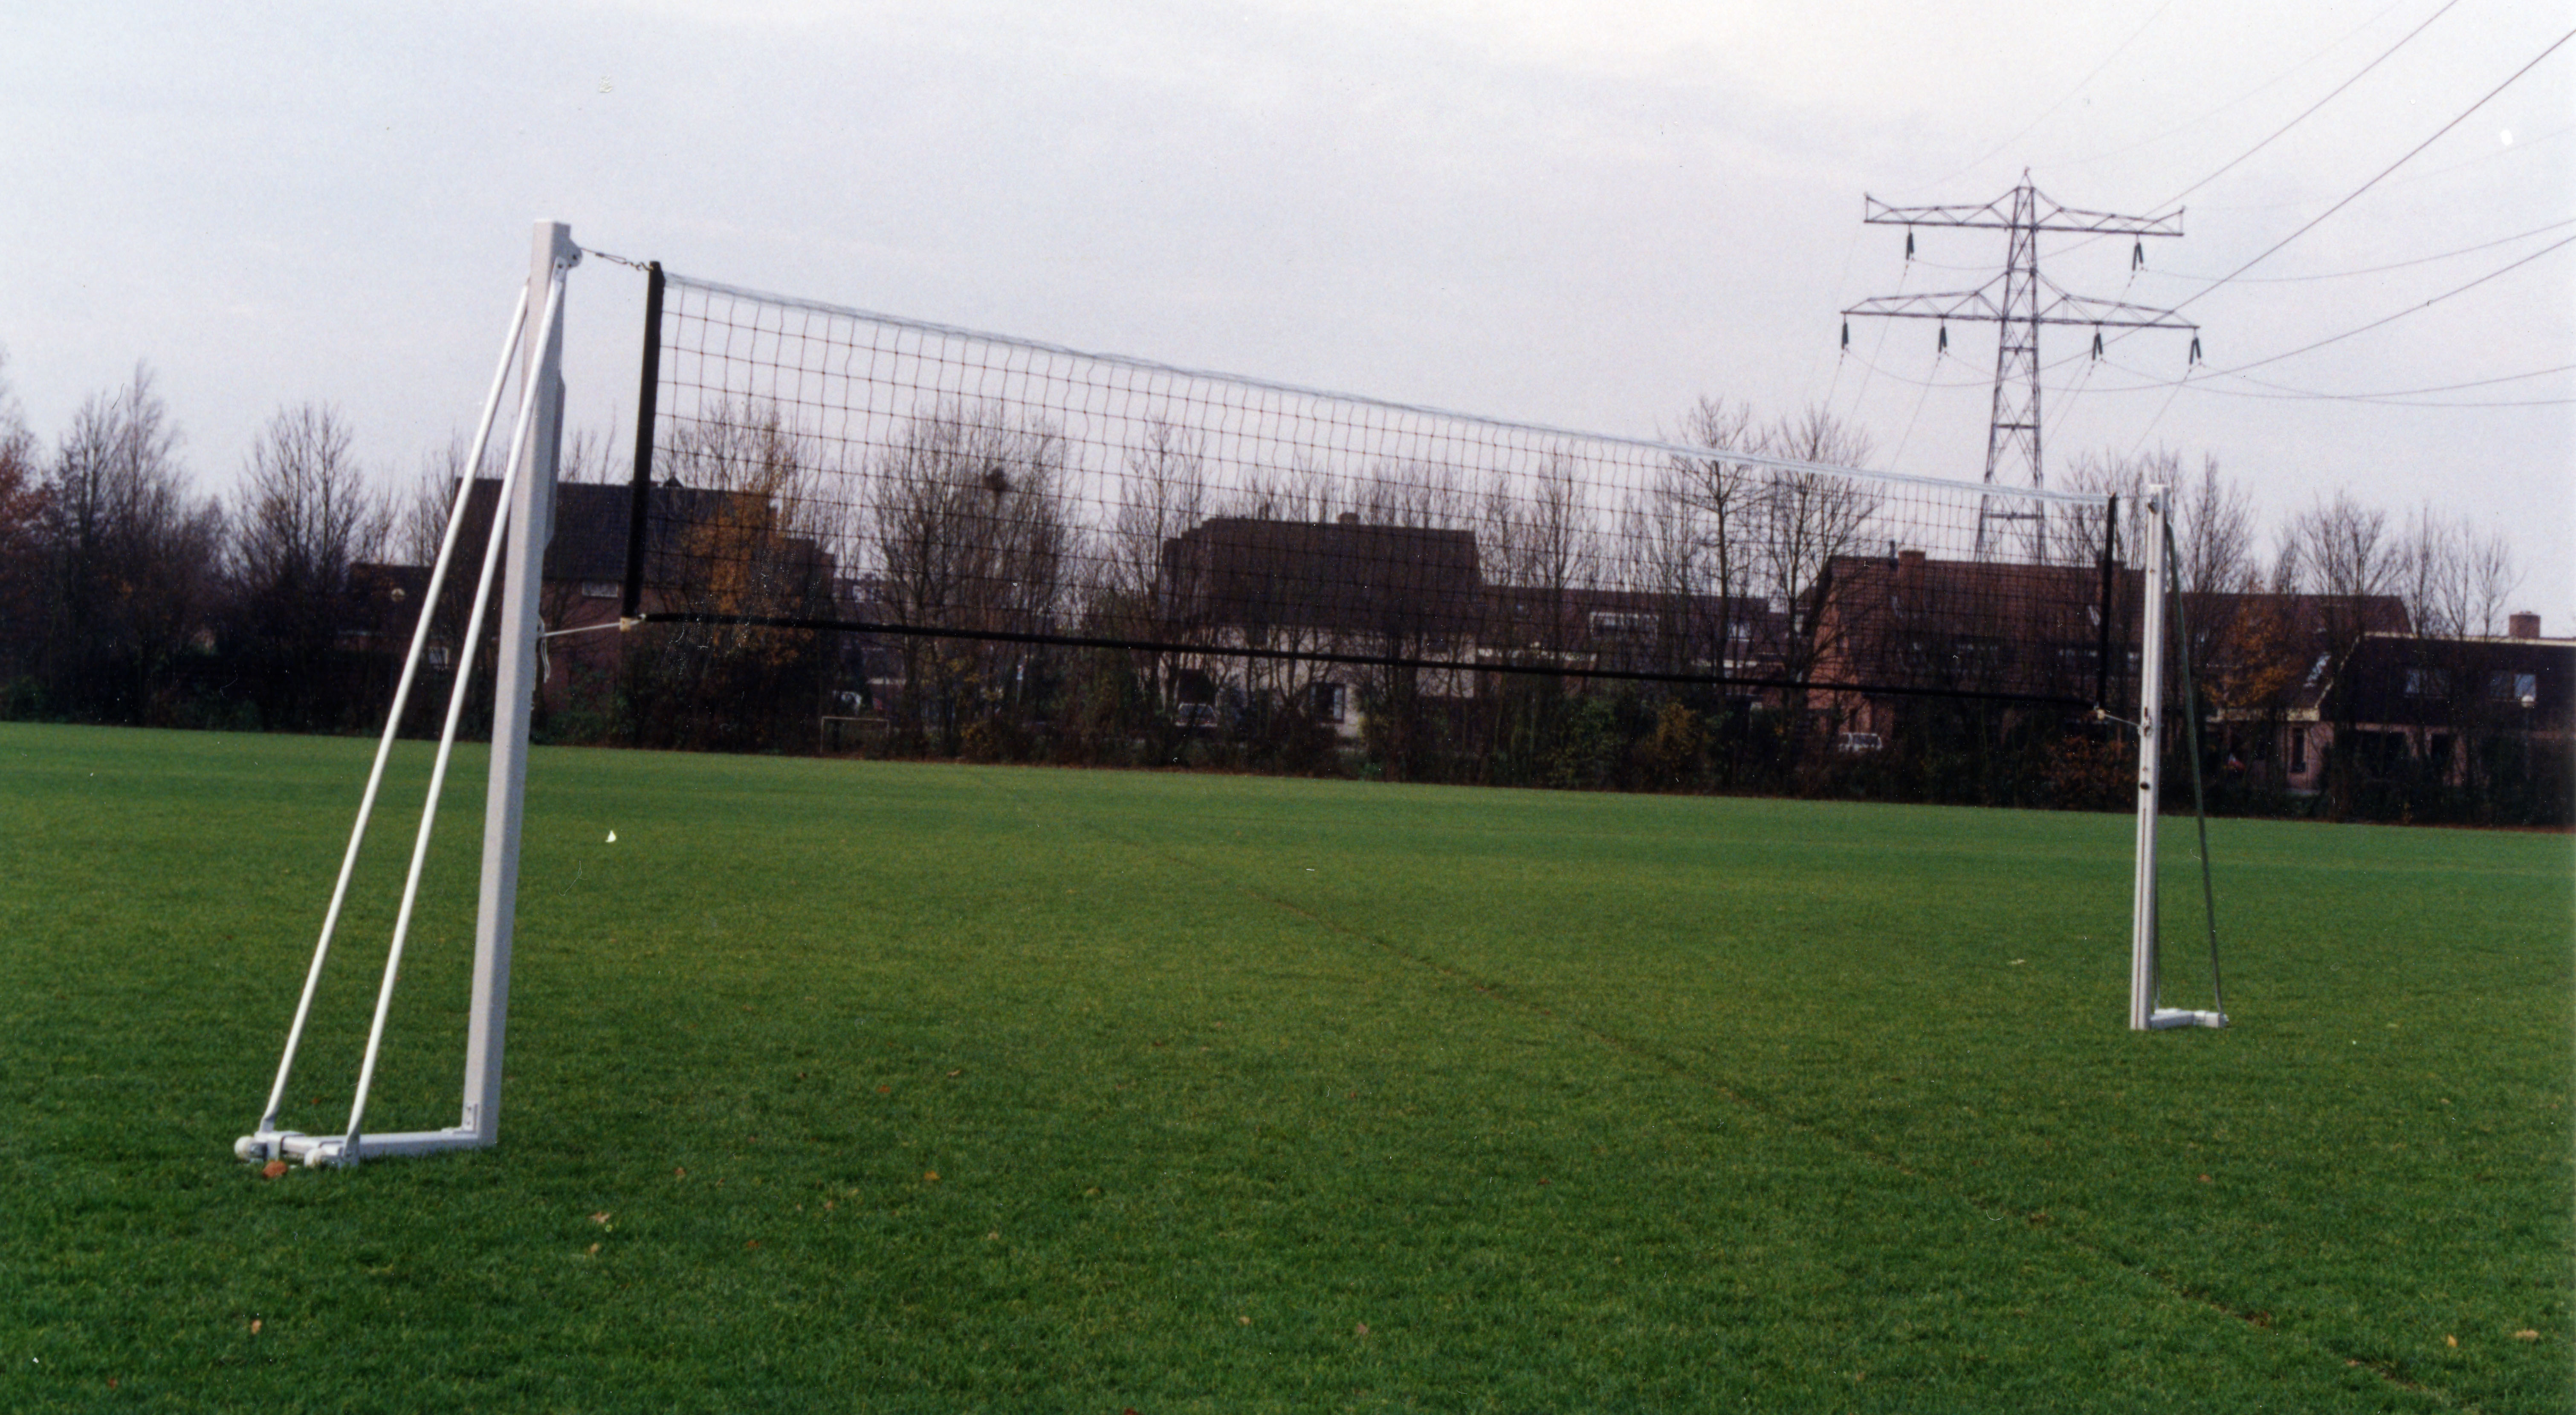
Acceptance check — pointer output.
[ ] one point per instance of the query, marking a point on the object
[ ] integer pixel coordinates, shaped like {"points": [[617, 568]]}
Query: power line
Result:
{"points": [[2395, 397], [2411, 309], [2391, 167], [2313, 107], [2379, 269], [2519, 147], [2412, 392], [2188, 124]]}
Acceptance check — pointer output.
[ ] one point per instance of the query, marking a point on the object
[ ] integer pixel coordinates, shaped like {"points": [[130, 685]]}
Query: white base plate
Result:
{"points": [[317, 1151]]}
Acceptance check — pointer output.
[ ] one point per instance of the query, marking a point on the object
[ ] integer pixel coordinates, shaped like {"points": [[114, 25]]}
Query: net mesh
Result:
{"points": [[815, 468]]}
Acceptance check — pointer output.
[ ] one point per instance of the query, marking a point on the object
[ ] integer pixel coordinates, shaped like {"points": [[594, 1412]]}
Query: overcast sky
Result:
{"points": [[1579, 214]]}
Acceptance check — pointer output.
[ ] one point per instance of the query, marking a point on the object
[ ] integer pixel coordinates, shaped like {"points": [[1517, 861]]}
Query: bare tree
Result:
{"points": [[131, 554], [2338, 547], [2341, 551], [1720, 495], [2212, 517], [969, 522], [307, 513], [1803, 521], [21, 536], [2213, 532], [1163, 495], [2453, 580], [2488, 580], [1540, 543]]}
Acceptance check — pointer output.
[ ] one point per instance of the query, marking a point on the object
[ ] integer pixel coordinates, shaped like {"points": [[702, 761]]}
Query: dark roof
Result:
{"points": [[2277, 652], [2436, 682], [1909, 621], [1335, 576], [592, 522]]}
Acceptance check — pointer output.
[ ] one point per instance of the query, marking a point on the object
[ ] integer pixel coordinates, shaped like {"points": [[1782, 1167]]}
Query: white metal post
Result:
{"points": [[514, 691], [2151, 700]]}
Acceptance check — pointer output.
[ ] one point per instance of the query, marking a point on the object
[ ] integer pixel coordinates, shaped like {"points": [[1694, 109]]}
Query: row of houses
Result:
{"points": [[1300, 614]]}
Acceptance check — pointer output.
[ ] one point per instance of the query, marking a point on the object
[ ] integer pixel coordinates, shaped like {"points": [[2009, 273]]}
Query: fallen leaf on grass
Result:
{"points": [[1243, 1321], [957, 1073], [754, 1243], [2205, 1179], [1360, 1330], [993, 1237], [594, 1250], [679, 1173], [254, 1326], [930, 1178], [612, 838], [2526, 1334], [885, 1090], [601, 1217], [272, 1169], [2452, 1342]]}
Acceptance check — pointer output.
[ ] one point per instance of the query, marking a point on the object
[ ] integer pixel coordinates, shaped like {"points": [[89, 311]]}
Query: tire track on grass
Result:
{"points": [[2037, 1220]]}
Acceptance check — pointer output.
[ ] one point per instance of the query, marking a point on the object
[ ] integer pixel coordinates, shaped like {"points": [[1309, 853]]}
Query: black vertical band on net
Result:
{"points": [[645, 409], [2110, 578]]}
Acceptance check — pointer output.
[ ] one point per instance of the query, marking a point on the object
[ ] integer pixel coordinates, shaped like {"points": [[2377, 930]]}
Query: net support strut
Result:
{"points": [[2144, 1013], [527, 520]]}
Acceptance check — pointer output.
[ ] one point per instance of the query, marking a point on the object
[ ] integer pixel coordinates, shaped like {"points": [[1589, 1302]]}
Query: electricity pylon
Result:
{"points": [[2025, 301]]}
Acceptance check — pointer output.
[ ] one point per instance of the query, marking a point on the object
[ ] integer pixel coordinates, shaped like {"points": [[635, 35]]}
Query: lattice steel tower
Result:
{"points": [[2025, 301]]}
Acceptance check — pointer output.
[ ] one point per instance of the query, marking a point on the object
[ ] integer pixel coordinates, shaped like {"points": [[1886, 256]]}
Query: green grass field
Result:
{"points": [[1257, 1094]]}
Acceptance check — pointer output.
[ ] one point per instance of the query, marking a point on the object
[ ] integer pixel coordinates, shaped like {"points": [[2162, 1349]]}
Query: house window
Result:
{"points": [[2512, 687], [600, 589], [1978, 653], [1195, 686], [2298, 749], [1329, 702], [2428, 683], [1606, 624], [439, 657]]}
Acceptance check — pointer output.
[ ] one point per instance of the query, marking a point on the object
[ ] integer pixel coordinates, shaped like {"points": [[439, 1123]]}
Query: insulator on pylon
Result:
{"points": [[1847, 334], [2138, 255], [2195, 348], [1909, 243], [2097, 343], [1944, 346]]}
